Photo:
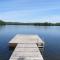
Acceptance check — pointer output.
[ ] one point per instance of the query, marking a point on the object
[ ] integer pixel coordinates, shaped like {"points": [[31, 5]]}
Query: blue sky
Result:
{"points": [[30, 10]]}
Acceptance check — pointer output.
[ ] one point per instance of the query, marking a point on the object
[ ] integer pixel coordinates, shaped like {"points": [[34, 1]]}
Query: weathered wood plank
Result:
{"points": [[26, 47]]}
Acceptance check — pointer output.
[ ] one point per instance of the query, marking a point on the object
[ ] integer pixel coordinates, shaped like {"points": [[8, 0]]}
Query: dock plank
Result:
{"points": [[26, 48]]}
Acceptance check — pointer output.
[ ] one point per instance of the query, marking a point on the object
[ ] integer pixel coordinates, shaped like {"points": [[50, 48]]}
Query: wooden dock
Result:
{"points": [[26, 47]]}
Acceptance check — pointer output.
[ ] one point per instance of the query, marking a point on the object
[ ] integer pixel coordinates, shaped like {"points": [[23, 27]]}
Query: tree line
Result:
{"points": [[35, 24]]}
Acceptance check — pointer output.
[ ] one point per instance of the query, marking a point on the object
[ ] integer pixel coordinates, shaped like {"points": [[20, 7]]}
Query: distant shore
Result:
{"points": [[35, 24]]}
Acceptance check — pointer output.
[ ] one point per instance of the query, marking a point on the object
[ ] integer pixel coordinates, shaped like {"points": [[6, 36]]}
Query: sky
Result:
{"points": [[30, 10]]}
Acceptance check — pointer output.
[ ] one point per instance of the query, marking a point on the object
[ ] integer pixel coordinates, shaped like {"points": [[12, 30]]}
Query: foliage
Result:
{"points": [[35, 24], [2, 22]]}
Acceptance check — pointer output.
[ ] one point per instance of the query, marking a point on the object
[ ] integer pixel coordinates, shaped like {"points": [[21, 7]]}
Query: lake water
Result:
{"points": [[49, 34]]}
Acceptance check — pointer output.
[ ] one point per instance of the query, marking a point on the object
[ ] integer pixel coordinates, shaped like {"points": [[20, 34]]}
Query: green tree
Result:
{"points": [[2, 22]]}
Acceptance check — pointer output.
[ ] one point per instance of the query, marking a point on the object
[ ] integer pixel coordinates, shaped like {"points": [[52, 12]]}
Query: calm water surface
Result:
{"points": [[50, 34]]}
